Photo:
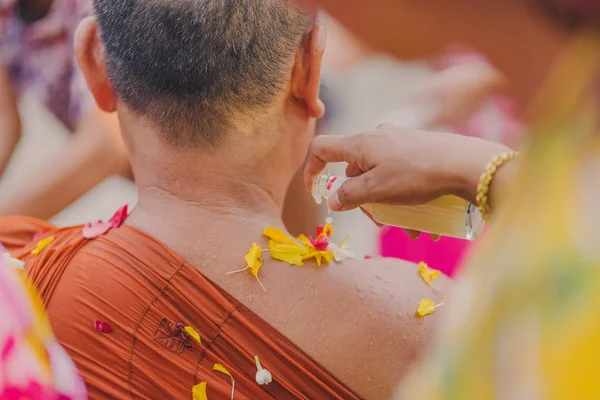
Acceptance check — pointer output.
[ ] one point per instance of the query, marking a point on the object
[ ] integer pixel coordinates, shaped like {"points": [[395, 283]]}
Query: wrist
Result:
{"points": [[469, 163]]}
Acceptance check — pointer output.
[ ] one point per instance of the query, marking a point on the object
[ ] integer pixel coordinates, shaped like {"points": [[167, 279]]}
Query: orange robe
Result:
{"points": [[146, 293]]}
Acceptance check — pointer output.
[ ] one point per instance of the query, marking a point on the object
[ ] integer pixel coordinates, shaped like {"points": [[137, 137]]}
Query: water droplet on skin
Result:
{"points": [[358, 288], [371, 343], [312, 284], [302, 296], [368, 379], [214, 257], [378, 276], [250, 298], [360, 296], [400, 316], [370, 315]]}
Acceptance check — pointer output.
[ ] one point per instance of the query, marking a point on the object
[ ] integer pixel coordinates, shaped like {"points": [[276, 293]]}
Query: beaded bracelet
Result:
{"points": [[483, 189]]}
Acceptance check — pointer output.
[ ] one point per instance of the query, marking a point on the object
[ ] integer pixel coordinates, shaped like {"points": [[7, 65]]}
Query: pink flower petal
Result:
{"points": [[102, 327], [320, 229], [8, 347], [39, 235], [321, 242], [93, 230], [119, 217]]}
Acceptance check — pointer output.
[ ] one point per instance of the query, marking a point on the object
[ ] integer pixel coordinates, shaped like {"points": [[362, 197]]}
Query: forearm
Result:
{"points": [[68, 177], [90, 157], [10, 134], [10, 121]]}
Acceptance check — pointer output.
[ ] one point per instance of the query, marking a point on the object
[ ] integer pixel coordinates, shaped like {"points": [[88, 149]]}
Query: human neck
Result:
{"points": [[188, 194]]}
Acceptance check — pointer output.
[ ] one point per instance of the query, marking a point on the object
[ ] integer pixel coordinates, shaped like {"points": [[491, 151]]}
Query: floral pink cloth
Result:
{"points": [[33, 365], [41, 60], [495, 121]]}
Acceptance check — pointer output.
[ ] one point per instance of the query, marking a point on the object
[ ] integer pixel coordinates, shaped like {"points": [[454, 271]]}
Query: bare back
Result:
{"points": [[357, 318]]}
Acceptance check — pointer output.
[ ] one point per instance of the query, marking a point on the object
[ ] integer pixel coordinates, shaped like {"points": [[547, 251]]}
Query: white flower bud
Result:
{"points": [[263, 376]]}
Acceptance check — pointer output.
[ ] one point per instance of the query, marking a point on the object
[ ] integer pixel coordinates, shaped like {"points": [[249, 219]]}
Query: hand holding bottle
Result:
{"points": [[397, 166]]}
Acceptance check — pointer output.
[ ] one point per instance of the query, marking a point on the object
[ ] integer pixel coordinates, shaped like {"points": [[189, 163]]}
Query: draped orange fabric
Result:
{"points": [[147, 293]]}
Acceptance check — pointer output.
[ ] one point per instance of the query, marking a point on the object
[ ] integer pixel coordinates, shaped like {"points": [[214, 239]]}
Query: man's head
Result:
{"points": [[198, 73]]}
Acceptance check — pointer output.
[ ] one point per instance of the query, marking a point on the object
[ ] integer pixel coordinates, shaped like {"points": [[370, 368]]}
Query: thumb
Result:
{"points": [[352, 194]]}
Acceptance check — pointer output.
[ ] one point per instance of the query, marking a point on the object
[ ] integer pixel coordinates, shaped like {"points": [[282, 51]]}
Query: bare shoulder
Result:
{"points": [[364, 326]]}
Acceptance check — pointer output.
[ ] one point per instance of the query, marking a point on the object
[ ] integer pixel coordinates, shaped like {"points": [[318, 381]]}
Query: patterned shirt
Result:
{"points": [[523, 322], [32, 363], [41, 60]]}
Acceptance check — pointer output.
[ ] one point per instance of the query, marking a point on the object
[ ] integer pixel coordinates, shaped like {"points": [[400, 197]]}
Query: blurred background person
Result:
{"points": [[463, 95], [37, 61], [33, 365], [520, 325]]}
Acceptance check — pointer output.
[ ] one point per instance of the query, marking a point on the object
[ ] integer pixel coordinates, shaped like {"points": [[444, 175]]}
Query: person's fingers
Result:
{"points": [[353, 193], [325, 149], [353, 170], [412, 233], [434, 237]]}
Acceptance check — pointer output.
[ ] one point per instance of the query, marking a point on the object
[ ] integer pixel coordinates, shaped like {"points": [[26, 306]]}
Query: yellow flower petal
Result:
{"points": [[428, 274], [290, 253], [192, 332], [222, 369], [278, 235], [328, 256], [304, 240], [426, 307], [328, 230], [41, 245], [254, 259], [199, 391]]}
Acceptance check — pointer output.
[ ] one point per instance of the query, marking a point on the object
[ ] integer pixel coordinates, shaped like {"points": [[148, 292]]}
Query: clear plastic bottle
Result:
{"points": [[447, 216]]}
